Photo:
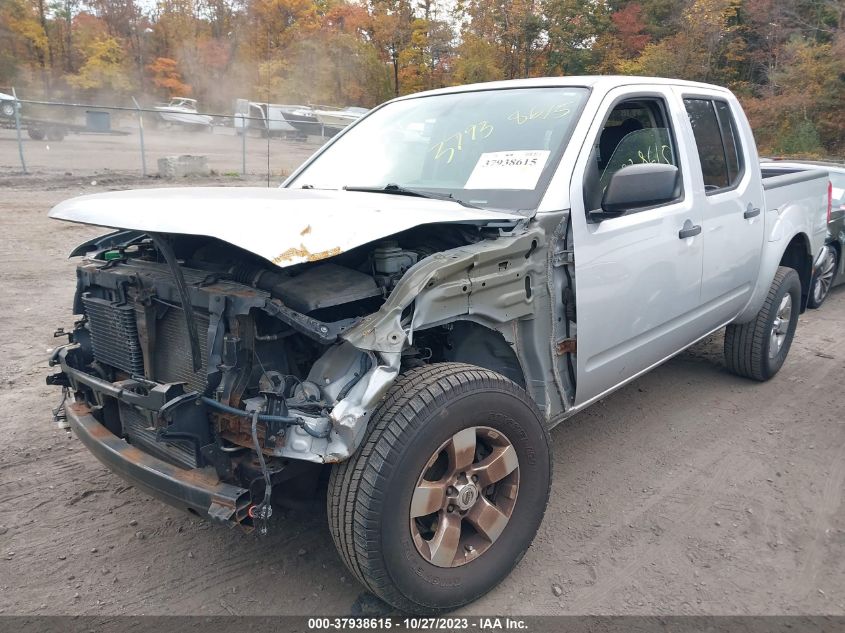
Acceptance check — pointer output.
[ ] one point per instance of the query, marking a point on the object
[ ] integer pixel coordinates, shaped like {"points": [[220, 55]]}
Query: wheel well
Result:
{"points": [[474, 344], [797, 257]]}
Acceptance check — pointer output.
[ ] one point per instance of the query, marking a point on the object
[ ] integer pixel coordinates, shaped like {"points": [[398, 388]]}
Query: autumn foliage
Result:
{"points": [[784, 58]]}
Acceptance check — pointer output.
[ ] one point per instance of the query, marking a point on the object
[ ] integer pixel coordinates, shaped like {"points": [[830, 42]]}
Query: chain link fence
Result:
{"points": [[167, 140]]}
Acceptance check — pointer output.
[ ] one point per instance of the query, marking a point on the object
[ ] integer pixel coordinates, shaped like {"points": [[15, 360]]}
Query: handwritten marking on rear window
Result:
{"points": [[557, 111], [455, 143]]}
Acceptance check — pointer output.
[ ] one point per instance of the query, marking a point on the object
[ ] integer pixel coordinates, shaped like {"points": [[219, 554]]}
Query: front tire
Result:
{"points": [[447, 491], [758, 349]]}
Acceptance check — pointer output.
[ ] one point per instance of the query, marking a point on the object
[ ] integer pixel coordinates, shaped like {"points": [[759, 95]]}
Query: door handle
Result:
{"points": [[689, 230], [751, 212]]}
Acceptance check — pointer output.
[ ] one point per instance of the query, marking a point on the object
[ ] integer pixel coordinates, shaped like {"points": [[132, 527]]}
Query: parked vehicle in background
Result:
{"points": [[55, 128], [304, 120], [7, 106], [336, 120], [269, 119], [830, 267], [450, 277], [183, 111]]}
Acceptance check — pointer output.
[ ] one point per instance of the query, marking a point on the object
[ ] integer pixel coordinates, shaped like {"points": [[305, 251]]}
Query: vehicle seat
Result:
{"points": [[612, 136]]}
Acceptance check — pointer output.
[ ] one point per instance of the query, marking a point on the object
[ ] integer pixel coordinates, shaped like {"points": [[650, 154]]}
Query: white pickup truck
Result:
{"points": [[418, 305]]}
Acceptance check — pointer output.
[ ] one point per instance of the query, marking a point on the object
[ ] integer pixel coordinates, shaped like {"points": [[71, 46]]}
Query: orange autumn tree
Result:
{"points": [[165, 75]]}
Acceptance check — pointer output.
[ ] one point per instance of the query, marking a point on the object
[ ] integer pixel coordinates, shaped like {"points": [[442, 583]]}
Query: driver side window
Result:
{"points": [[636, 131]]}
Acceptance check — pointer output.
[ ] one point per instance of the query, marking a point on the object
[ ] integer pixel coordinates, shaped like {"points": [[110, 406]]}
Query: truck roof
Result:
{"points": [[605, 82]]}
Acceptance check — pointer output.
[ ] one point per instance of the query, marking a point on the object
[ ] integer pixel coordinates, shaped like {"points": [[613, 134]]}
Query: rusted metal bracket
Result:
{"points": [[566, 346]]}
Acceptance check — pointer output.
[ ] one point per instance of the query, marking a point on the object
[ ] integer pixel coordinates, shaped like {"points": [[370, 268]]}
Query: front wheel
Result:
{"points": [[823, 279], [757, 349], [447, 491]]}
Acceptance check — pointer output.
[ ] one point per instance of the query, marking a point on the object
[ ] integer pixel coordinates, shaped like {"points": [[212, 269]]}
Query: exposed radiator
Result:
{"points": [[142, 435], [172, 354], [114, 334], [114, 337]]}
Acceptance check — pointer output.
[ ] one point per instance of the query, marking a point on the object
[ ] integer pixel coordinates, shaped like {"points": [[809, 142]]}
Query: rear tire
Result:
{"points": [[823, 279], [459, 419], [758, 349], [7, 108]]}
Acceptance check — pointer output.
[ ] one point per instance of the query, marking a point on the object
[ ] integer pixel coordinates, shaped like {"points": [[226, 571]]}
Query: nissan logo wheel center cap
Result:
{"points": [[466, 496]]}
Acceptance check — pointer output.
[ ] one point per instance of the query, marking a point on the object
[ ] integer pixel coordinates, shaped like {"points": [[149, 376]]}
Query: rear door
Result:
{"points": [[731, 195], [637, 281]]}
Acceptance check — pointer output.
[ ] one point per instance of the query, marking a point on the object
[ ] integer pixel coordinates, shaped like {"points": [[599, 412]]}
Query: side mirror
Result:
{"points": [[636, 186]]}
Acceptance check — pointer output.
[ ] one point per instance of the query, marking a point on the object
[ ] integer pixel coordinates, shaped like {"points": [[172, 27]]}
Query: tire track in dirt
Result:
{"points": [[830, 503], [643, 552]]}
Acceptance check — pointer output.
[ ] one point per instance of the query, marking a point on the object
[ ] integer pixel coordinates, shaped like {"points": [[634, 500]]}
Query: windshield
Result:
{"points": [[492, 148]]}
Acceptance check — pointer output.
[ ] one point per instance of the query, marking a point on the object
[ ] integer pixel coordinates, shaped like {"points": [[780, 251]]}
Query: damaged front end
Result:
{"points": [[210, 378], [204, 388]]}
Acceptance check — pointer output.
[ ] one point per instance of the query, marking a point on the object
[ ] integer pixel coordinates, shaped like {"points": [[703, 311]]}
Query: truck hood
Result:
{"points": [[284, 226]]}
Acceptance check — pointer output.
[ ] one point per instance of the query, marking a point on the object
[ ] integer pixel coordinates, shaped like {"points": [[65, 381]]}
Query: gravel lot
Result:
{"points": [[688, 492]]}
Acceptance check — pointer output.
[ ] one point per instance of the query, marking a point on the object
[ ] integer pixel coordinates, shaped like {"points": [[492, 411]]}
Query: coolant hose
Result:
{"points": [[263, 417], [286, 420]]}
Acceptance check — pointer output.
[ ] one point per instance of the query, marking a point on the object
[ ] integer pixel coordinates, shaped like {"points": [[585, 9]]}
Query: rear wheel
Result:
{"points": [[823, 279], [757, 349], [447, 491], [7, 108]]}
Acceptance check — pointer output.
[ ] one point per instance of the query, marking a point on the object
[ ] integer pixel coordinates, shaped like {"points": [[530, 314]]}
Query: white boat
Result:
{"points": [[183, 111], [339, 119]]}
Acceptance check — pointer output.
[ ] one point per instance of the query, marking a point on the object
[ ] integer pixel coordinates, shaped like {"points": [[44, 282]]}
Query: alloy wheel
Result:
{"points": [[780, 326], [464, 497], [824, 278]]}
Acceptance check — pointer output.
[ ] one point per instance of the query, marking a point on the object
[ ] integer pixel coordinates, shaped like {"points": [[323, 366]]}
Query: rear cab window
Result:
{"points": [[717, 141]]}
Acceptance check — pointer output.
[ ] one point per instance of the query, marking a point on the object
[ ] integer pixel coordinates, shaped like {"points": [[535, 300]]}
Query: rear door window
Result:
{"points": [[717, 140], [730, 140]]}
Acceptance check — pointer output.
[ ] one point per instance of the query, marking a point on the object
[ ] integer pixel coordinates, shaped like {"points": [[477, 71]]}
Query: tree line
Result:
{"points": [[785, 59]]}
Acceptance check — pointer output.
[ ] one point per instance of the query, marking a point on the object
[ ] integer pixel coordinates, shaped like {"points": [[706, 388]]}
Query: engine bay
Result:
{"points": [[266, 340]]}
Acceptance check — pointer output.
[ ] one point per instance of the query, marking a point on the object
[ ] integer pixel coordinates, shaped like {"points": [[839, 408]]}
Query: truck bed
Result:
{"points": [[800, 190]]}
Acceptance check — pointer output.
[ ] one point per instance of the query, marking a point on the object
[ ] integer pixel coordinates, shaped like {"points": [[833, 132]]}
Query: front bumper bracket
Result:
{"points": [[199, 491]]}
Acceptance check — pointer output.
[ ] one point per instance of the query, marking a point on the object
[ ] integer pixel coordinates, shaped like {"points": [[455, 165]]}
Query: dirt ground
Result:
{"points": [[688, 492]]}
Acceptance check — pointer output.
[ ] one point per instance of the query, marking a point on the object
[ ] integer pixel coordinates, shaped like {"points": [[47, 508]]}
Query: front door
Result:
{"points": [[637, 277]]}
